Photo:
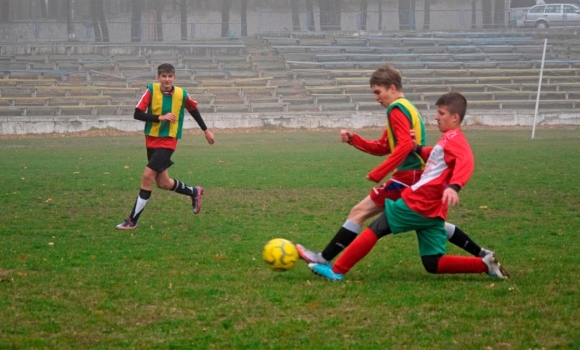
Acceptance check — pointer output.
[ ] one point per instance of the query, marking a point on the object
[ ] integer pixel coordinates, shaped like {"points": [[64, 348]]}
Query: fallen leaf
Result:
{"points": [[491, 285], [48, 200], [50, 243], [126, 167], [217, 257], [483, 207]]}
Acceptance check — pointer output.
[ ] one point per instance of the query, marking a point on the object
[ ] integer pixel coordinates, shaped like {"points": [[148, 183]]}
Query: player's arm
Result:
{"points": [[191, 107], [400, 125], [378, 147], [462, 156], [141, 108], [423, 151]]}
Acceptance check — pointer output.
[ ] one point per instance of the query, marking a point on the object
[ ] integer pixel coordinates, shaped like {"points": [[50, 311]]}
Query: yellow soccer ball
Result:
{"points": [[280, 255]]}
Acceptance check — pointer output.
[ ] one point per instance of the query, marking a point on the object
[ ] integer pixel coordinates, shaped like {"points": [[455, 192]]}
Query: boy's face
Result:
{"points": [[445, 120], [385, 95], [166, 80]]}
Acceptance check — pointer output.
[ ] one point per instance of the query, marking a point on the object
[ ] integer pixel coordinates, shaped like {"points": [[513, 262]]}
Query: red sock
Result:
{"points": [[357, 250], [461, 264]]}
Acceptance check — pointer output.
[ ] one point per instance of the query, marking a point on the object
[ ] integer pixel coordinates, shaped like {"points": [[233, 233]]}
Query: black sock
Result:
{"points": [[341, 240], [140, 203], [183, 188], [462, 240]]}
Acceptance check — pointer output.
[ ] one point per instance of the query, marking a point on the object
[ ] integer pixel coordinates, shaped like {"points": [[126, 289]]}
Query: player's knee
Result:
{"points": [[430, 262]]}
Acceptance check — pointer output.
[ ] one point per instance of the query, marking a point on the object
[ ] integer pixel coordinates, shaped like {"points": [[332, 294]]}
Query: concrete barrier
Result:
{"points": [[308, 120]]}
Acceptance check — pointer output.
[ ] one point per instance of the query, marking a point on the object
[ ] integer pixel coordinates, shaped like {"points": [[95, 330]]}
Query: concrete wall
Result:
{"points": [[71, 124]]}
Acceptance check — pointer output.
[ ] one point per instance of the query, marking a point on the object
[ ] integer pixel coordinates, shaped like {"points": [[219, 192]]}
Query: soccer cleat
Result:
{"points": [[196, 200], [309, 256], [128, 224], [494, 268], [483, 252], [325, 271]]}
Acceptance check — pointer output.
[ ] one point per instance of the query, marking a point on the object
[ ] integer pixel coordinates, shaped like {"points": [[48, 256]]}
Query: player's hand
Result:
{"points": [[169, 116], [345, 136], [450, 197], [209, 137]]}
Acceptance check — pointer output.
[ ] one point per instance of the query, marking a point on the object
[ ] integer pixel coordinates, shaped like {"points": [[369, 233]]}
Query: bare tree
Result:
{"points": [[183, 11], [364, 4], [426, 14], [244, 17], [310, 16], [99, 21], [295, 15], [136, 10], [226, 6], [329, 14]]}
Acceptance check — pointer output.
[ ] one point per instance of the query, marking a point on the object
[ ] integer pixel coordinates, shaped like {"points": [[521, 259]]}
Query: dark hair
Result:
{"points": [[386, 76], [165, 68], [455, 103]]}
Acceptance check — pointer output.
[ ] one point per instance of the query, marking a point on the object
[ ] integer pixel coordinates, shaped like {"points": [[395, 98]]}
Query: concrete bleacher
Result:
{"points": [[288, 72]]}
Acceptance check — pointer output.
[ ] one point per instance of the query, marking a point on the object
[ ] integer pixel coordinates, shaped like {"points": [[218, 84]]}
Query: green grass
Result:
{"points": [[70, 280]]}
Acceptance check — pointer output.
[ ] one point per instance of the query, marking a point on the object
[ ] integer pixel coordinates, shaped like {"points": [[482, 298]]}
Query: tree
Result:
{"points": [[329, 14], [226, 6], [183, 11], [136, 10], [295, 15], [310, 16], [364, 4], [99, 22], [244, 17], [426, 14], [4, 10]]}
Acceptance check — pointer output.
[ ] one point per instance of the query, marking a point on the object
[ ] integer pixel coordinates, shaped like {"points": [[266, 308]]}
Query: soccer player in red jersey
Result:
{"points": [[423, 206], [162, 108], [405, 165]]}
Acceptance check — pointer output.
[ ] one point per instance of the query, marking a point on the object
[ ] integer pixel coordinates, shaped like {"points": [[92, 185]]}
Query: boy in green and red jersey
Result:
{"points": [[162, 108], [423, 206], [406, 166]]}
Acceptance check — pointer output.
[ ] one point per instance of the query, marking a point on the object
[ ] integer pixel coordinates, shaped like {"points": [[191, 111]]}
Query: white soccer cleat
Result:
{"points": [[483, 252], [494, 268], [310, 256]]}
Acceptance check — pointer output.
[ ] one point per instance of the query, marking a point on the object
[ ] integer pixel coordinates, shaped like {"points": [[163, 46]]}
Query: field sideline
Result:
{"points": [[69, 280]]}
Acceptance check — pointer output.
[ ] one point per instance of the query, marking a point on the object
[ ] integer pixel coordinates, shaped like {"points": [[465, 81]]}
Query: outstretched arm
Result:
{"points": [[378, 147]]}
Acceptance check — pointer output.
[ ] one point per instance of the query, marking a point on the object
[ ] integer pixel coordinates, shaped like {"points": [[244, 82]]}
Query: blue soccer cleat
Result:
{"points": [[325, 271]]}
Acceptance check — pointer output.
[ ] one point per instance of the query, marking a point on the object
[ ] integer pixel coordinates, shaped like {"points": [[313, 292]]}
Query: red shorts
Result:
{"points": [[392, 189]]}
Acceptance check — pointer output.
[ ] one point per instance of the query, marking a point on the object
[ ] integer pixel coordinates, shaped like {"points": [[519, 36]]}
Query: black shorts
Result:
{"points": [[159, 159]]}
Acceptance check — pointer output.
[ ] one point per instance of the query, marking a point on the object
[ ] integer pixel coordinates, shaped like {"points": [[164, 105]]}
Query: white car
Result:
{"points": [[552, 15]]}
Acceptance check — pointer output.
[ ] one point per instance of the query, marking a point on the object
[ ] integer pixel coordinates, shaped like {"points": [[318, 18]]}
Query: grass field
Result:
{"points": [[69, 280]]}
